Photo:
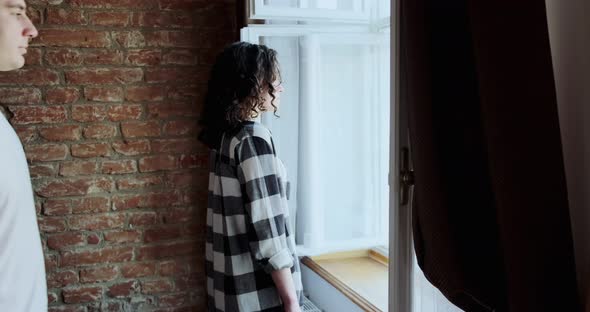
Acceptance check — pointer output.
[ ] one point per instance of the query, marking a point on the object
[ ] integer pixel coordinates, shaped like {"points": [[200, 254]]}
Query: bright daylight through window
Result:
{"points": [[333, 133]]}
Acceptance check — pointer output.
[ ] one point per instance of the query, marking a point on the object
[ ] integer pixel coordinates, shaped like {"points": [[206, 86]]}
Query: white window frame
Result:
{"points": [[325, 36], [400, 234], [359, 15]]}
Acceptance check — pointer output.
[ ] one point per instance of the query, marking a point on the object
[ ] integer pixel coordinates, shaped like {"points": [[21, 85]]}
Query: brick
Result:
{"points": [[177, 146], [180, 57], [51, 224], [89, 113], [161, 234], [144, 57], [103, 94], [181, 127], [46, 152], [33, 56], [119, 19], [101, 274], [91, 205], [132, 148], [194, 161], [135, 270], [218, 38], [119, 166], [195, 196], [26, 134], [165, 74], [73, 187], [125, 112], [93, 239], [25, 115], [125, 289], [78, 38], [173, 300], [178, 215], [136, 129], [34, 15], [189, 282], [61, 279], [103, 76], [57, 207], [89, 150], [66, 240], [42, 170], [100, 131], [216, 16], [67, 308], [151, 287], [63, 57], [172, 268], [145, 93], [61, 133], [51, 297], [31, 76], [77, 168], [188, 179], [62, 16], [129, 39], [82, 294], [192, 92], [142, 218], [182, 4], [103, 57], [122, 237], [112, 307], [178, 39], [91, 257], [147, 200], [94, 222], [168, 250], [20, 96], [62, 95], [162, 19], [50, 262], [172, 109], [124, 202], [108, 4], [157, 163], [142, 182]]}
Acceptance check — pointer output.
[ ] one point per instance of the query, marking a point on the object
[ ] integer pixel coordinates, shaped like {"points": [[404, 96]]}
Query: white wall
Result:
{"points": [[569, 32]]}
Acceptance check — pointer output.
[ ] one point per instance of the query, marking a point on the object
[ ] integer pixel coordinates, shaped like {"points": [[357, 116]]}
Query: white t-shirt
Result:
{"points": [[23, 286]]}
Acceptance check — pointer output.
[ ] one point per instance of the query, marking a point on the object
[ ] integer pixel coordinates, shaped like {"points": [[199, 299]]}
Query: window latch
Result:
{"points": [[406, 176]]}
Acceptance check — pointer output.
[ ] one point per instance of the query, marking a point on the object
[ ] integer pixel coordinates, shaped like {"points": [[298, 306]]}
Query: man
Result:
{"points": [[22, 268]]}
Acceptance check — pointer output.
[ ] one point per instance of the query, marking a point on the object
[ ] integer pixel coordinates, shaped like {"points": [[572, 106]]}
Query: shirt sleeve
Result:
{"points": [[263, 197]]}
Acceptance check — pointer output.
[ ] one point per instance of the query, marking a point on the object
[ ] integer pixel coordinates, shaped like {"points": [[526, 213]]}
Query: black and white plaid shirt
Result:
{"points": [[248, 229]]}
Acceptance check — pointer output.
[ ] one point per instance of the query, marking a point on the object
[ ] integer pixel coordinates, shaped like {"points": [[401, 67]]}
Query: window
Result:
{"points": [[333, 133]]}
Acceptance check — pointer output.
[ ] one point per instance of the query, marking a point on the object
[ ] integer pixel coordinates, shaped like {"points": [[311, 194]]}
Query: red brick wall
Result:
{"points": [[107, 109]]}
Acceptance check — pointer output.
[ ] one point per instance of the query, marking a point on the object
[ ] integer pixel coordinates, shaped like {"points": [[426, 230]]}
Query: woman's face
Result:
{"points": [[267, 106]]}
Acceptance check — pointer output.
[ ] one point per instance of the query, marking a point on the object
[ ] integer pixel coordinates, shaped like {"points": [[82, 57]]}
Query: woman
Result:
{"points": [[250, 249]]}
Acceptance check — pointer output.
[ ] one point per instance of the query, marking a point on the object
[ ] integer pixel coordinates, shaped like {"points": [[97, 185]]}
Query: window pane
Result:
{"points": [[285, 128], [354, 140], [314, 4], [333, 136]]}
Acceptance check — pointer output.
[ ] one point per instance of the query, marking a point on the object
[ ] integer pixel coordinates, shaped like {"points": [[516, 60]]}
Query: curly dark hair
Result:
{"points": [[241, 76]]}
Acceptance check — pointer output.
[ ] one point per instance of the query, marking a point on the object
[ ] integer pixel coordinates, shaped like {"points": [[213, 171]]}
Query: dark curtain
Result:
{"points": [[490, 217]]}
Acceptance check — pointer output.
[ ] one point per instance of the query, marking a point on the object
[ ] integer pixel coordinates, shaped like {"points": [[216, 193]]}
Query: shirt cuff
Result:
{"points": [[281, 260]]}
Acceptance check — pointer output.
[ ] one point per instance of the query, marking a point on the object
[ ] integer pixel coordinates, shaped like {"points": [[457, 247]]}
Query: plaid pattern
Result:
{"points": [[248, 231]]}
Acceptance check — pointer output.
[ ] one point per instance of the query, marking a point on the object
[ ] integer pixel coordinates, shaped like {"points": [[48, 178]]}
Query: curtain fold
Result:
{"points": [[491, 218]]}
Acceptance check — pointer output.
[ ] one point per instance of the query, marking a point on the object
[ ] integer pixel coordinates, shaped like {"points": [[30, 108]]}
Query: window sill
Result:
{"points": [[362, 276]]}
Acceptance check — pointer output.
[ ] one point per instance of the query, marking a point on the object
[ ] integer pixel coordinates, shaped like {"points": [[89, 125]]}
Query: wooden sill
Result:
{"points": [[362, 276]]}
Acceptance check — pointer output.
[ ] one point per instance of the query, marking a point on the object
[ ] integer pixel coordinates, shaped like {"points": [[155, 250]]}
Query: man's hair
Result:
{"points": [[6, 112], [241, 75]]}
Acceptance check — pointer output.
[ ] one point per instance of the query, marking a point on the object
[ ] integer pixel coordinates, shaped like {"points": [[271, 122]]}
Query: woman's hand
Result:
{"points": [[294, 307]]}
